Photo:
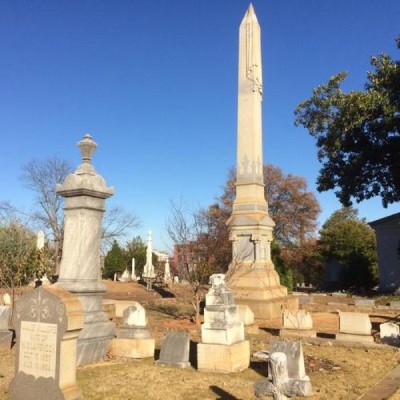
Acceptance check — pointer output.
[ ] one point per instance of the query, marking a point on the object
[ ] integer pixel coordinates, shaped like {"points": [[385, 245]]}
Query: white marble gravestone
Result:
{"points": [[223, 348], [133, 339]]}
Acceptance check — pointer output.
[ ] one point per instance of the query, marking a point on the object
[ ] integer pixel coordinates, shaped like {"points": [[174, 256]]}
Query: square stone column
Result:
{"points": [[85, 192]]}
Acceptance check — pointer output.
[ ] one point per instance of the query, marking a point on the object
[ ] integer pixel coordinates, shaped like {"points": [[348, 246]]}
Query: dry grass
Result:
{"points": [[335, 373]]}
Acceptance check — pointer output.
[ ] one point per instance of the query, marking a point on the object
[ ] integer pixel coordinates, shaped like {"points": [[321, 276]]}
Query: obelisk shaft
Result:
{"points": [[249, 178]]}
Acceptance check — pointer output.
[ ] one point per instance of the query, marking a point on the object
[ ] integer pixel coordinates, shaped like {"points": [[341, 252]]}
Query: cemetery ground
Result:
{"points": [[337, 371]]}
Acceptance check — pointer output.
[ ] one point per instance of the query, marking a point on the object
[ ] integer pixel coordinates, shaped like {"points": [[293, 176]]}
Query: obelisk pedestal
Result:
{"points": [[85, 192], [252, 274]]}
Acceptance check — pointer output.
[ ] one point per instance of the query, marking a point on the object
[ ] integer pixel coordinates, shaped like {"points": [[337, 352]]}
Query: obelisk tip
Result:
{"points": [[250, 15]]}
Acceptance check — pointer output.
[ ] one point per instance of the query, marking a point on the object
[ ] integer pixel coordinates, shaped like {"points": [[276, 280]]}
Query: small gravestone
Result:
{"points": [[294, 355], [175, 350], [5, 334], [7, 299], [364, 302], [297, 324], [355, 327], [390, 333], [47, 323], [395, 304], [133, 339]]}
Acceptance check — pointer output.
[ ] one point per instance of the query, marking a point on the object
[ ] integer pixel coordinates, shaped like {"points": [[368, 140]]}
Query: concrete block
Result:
{"points": [[223, 358], [132, 348]]}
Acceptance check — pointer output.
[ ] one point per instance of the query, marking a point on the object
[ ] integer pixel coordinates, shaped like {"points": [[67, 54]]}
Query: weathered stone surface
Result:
{"points": [[364, 302], [47, 322], [390, 333], [354, 323], [134, 316], [132, 348], [5, 312], [253, 277], [294, 355], [175, 350], [223, 358], [6, 338], [300, 319], [85, 192], [281, 385], [245, 314]]}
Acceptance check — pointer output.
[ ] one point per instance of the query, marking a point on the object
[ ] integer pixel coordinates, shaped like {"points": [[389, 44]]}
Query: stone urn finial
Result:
{"points": [[87, 147]]}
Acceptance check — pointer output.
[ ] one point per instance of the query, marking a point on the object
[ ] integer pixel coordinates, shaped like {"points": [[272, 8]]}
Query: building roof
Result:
{"points": [[385, 220]]}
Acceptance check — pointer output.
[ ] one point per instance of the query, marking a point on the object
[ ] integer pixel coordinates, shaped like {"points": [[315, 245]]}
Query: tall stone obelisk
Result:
{"points": [[253, 277]]}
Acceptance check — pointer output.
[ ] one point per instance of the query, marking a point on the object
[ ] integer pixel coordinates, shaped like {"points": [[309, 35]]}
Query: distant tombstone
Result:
{"points": [[395, 304], [47, 321], [175, 350], [297, 324], [176, 279], [306, 299], [7, 299], [126, 276], [133, 339], [354, 327], [390, 333], [5, 334], [364, 302], [4, 317]]}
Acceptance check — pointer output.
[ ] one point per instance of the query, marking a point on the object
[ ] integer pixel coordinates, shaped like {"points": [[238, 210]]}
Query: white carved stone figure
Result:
{"points": [[217, 281]]}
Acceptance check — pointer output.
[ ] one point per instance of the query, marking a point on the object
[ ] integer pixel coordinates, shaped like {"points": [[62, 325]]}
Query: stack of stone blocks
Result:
{"points": [[133, 339], [223, 348], [354, 327]]}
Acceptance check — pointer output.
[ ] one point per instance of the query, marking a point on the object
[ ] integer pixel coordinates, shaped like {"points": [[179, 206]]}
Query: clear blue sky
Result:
{"points": [[155, 83]]}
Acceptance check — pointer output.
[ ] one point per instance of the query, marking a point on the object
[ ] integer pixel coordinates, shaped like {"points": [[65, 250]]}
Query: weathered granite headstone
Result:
{"points": [[355, 327], [84, 193], [390, 333], [175, 350], [5, 334], [133, 339], [47, 321], [223, 348]]}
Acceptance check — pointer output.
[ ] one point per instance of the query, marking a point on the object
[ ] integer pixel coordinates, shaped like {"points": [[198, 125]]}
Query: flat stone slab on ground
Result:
{"points": [[364, 302]]}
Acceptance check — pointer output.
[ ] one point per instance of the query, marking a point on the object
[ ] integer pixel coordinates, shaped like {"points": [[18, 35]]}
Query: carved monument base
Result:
{"points": [[223, 358], [260, 289]]}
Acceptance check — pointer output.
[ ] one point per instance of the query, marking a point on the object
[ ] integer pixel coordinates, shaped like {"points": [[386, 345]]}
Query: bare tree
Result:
{"points": [[41, 177], [195, 247], [117, 224]]}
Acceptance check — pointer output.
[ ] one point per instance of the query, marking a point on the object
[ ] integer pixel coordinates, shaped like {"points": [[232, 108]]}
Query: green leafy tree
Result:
{"points": [[358, 134], [136, 248], [115, 260], [19, 259], [352, 242]]}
